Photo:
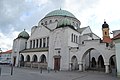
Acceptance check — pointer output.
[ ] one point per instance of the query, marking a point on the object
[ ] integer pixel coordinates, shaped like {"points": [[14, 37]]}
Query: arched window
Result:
{"points": [[41, 23], [36, 43], [72, 38], [44, 42], [74, 64], [73, 23], [105, 33], [30, 43], [79, 39], [76, 39], [56, 20], [25, 45], [50, 21], [33, 43], [40, 44], [45, 22]]}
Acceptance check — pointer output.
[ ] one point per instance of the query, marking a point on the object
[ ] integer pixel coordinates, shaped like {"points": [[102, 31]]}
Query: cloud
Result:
{"points": [[16, 15], [93, 13], [6, 41]]}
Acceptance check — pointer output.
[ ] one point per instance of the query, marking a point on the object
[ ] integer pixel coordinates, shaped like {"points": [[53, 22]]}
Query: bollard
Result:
{"points": [[0, 71], [41, 70], [48, 70], [55, 71], [11, 69]]}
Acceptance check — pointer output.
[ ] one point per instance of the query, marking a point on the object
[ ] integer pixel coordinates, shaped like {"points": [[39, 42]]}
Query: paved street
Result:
{"points": [[35, 74]]}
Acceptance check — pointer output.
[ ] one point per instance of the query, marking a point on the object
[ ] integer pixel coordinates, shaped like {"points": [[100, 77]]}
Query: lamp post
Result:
{"points": [[69, 58], [0, 50], [0, 67]]}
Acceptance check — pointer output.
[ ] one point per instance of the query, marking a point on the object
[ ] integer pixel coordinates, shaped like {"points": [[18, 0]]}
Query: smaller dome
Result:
{"points": [[105, 25], [64, 22], [23, 34]]}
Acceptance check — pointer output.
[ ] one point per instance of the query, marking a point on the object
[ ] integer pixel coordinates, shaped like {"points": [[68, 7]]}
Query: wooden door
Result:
{"points": [[57, 64]]}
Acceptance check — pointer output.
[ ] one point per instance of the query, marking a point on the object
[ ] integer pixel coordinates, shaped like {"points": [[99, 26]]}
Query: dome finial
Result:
{"points": [[60, 8], [105, 25], [104, 21]]}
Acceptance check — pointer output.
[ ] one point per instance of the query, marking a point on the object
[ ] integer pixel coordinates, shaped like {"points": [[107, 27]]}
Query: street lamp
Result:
{"points": [[0, 67], [0, 50], [69, 47]]}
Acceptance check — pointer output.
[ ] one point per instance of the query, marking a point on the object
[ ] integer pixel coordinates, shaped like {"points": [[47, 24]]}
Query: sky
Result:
{"points": [[17, 15]]}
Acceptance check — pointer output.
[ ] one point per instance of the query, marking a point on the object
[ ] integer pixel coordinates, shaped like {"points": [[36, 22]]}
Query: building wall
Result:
{"points": [[116, 32], [5, 58], [60, 40], [117, 46], [18, 45]]}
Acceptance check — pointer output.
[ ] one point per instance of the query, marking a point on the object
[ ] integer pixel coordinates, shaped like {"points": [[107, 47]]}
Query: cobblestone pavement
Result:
{"points": [[35, 74]]}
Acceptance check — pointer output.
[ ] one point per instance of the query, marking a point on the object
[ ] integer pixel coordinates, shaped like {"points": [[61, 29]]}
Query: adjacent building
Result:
{"points": [[5, 57], [116, 39]]}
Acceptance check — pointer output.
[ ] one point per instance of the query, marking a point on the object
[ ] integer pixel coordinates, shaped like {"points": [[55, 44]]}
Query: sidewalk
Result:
{"points": [[35, 74]]}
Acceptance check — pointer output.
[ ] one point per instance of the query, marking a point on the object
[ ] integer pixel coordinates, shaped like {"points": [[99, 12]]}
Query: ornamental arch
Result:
{"points": [[74, 63], [28, 58], [87, 58], [34, 58], [43, 58], [21, 60]]}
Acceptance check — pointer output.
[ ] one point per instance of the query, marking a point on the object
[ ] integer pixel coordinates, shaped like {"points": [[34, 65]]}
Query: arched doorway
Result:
{"points": [[74, 64], [101, 63], [21, 60], [93, 63], [89, 59], [43, 58], [112, 62], [35, 59], [27, 58]]}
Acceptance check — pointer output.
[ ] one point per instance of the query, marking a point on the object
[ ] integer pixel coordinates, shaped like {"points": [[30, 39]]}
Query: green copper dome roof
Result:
{"points": [[23, 34], [65, 22], [60, 13]]}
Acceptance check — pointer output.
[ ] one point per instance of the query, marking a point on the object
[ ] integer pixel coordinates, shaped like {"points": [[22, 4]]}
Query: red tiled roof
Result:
{"points": [[116, 37], [107, 39], [8, 51]]}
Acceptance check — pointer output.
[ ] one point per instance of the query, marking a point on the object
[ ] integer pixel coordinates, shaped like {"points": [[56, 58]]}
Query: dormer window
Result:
{"points": [[50, 21], [45, 22]]}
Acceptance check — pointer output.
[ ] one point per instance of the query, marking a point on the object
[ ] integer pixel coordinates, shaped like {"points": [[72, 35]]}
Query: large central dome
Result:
{"points": [[60, 13]]}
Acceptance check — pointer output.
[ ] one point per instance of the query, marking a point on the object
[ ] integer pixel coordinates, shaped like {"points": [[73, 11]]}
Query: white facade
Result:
{"points": [[117, 57], [64, 45], [117, 50]]}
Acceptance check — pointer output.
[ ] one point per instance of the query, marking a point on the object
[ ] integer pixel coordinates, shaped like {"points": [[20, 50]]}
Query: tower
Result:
{"points": [[19, 44], [105, 30]]}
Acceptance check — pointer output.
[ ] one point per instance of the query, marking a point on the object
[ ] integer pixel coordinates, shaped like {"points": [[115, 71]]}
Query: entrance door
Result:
{"points": [[57, 64], [14, 61]]}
